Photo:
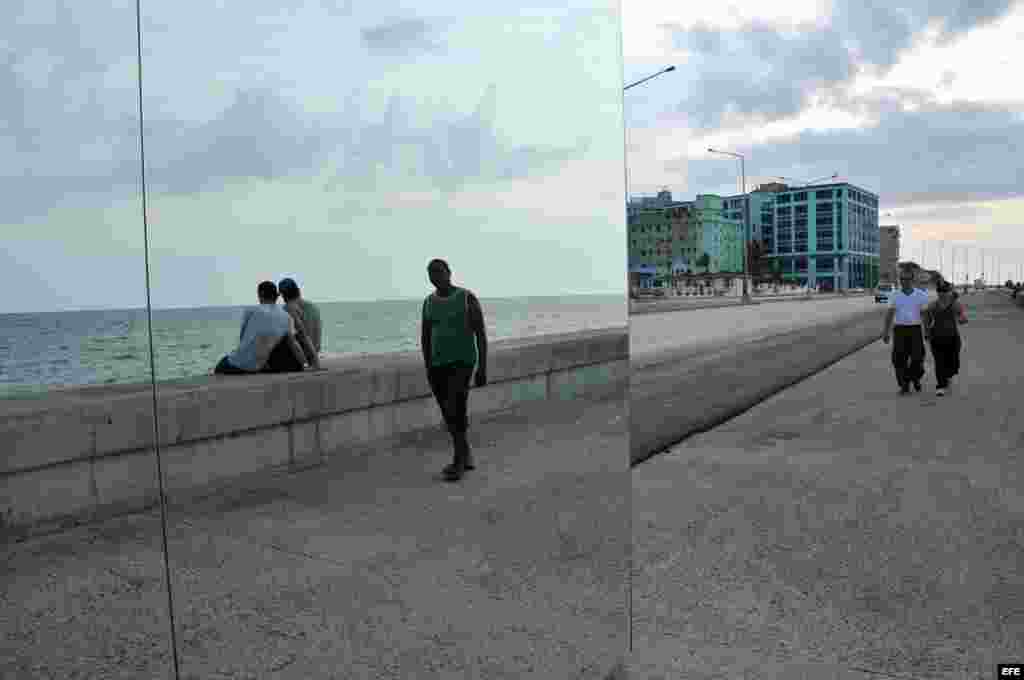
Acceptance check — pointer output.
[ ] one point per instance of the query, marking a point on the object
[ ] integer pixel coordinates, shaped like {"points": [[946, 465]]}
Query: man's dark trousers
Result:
{"points": [[450, 385], [908, 354]]}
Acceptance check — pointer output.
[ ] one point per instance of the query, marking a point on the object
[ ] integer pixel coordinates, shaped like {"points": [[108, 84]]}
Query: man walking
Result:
{"points": [[903, 322], [306, 315], [454, 341]]}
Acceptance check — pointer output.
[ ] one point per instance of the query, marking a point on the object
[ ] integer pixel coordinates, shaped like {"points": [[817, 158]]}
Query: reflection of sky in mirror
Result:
{"points": [[344, 146]]}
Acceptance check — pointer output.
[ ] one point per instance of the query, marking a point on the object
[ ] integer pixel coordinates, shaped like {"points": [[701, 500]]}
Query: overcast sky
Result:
{"points": [[913, 100], [342, 143]]}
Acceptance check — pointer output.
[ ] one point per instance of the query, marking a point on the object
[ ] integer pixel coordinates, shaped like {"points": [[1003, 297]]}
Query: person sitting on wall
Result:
{"points": [[267, 342], [306, 315]]}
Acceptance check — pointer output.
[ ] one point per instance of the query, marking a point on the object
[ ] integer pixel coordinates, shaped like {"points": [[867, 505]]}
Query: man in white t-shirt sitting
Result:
{"points": [[904, 324]]}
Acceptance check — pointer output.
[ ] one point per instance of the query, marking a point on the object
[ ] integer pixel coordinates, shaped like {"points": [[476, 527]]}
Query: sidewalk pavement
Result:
{"points": [[368, 567], [840, 530]]}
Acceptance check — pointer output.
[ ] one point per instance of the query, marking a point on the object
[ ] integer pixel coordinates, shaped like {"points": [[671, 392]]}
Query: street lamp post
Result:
{"points": [[810, 182], [625, 145], [743, 238], [667, 69]]}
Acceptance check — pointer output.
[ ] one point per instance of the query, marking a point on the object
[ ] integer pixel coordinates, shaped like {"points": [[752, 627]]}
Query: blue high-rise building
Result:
{"points": [[824, 235]]}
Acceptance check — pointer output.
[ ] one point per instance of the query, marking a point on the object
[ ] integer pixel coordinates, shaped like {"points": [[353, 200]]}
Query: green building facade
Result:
{"points": [[674, 238]]}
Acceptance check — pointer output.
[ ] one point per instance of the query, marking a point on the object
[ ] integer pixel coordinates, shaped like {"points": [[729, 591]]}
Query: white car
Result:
{"points": [[883, 292]]}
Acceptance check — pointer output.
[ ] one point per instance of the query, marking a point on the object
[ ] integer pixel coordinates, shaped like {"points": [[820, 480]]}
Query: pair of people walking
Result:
{"points": [[912, 320]]}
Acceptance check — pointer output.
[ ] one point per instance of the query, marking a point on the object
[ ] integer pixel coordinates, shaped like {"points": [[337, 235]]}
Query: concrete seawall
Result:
{"points": [[683, 395], [85, 454]]}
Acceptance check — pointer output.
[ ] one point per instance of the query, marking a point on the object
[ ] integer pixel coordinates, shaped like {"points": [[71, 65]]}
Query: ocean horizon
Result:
{"points": [[41, 351], [74, 310]]}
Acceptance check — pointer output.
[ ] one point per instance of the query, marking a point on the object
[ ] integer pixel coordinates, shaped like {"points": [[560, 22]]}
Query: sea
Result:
{"points": [[43, 351]]}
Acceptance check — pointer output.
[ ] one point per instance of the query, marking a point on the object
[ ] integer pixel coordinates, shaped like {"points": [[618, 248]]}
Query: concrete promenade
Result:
{"points": [[842, 531], [367, 567]]}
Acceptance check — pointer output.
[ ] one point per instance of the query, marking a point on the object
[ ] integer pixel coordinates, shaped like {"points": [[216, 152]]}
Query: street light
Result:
{"points": [[832, 176], [743, 238], [625, 144], [667, 69]]}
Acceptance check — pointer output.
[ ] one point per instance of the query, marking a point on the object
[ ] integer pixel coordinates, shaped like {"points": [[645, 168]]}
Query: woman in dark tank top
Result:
{"points": [[944, 318]]}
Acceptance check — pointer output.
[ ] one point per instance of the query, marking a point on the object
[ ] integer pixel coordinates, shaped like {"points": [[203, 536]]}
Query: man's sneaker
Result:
{"points": [[917, 385], [940, 392], [453, 473], [463, 451]]}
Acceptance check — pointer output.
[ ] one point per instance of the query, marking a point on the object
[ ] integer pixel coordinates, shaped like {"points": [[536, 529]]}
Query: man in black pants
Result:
{"points": [[903, 322], [454, 341]]}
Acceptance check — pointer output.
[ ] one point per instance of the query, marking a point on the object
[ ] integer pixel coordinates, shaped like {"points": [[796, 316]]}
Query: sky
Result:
{"points": [[344, 144], [911, 100]]}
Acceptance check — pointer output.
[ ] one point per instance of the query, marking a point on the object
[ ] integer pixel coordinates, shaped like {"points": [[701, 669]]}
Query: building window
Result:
{"points": [[801, 210], [782, 198], [800, 196]]}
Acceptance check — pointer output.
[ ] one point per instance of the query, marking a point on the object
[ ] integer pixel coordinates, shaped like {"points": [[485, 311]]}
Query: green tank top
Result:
{"points": [[452, 340]]}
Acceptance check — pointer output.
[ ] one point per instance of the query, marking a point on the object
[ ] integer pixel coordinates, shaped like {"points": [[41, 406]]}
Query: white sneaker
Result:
{"points": [[940, 392]]}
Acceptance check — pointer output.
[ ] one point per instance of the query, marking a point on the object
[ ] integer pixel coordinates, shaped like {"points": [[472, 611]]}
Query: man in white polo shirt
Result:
{"points": [[904, 324]]}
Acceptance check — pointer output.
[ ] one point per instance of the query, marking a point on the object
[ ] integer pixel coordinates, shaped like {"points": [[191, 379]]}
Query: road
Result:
{"points": [[840, 530], [654, 338], [675, 304]]}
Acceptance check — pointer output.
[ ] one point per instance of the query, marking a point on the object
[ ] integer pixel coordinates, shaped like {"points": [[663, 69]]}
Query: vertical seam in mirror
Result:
{"points": [[152, 353]]}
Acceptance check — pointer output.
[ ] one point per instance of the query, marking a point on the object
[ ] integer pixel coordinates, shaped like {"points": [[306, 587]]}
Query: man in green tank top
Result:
{"points": [[454, 341]]}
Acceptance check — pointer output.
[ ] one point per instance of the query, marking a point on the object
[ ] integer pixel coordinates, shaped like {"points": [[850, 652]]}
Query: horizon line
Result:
{"points": [[71, 310]]}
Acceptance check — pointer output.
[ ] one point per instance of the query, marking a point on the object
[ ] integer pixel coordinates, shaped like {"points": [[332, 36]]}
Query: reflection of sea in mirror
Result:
{"points": [[65, 349], [309, 532]]}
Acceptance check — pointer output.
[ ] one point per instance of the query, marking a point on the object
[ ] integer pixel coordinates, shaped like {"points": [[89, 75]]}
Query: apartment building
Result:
{"points": [[671, 238], [824, 235], [889, 253]]}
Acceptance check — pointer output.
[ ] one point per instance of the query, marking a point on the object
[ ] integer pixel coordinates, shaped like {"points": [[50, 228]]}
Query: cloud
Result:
{"points": [[763, 72], [949, 209], [404, 37], [67, 124], [935, 153], [260, 135], [247, 124], [447, 153]]}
